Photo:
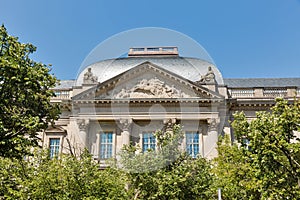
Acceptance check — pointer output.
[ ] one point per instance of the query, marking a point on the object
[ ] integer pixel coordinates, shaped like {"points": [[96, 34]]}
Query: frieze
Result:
{"points": [[152, 88]]}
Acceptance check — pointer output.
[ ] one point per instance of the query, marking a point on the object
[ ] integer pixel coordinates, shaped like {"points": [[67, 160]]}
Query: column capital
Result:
{"points": [[169, 123], [125, 124], [83, 124], [213, 124]]}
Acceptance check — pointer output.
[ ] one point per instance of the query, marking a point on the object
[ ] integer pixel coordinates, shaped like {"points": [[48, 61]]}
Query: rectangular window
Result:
{"points": [[246, 143], [148, 142], [168, 49], [152, 49], [54, 147], [106, 145], [192, 143], [138, 49]]}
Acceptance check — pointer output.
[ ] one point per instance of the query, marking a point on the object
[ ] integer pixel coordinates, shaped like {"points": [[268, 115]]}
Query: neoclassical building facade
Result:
{"points": [[125, 100]]}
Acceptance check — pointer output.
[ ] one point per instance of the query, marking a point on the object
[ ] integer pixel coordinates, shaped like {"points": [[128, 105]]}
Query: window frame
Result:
{"points": [[58, 150], [149, 139], [112, 143], [198, 144]]}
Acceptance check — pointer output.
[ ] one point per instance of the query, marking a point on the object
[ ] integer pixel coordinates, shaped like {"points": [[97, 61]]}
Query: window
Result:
{"points": [[54, 147], [152, 49], [192, 143], [138, 49], [106, 145], [168, 48], [148, 141], [246, 143]]}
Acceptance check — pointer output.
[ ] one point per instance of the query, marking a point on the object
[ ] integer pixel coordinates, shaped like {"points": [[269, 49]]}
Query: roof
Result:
{"points": [[189, 68], [65, 84], [230, 82], [142, 69], [261, 82]]}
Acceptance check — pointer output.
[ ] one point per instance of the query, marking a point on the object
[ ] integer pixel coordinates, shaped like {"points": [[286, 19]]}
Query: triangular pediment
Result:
{"points": [[55, 130], [147, 81]]}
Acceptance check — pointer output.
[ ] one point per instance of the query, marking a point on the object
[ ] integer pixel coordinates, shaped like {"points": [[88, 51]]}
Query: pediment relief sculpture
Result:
{"points": [[152, 88]]}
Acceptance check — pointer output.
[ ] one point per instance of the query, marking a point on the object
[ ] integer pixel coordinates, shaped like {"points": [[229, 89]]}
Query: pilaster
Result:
{"points": [[83, 125], [125, 125]]}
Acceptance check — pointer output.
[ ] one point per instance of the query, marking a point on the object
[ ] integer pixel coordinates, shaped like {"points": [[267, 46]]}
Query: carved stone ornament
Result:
{"points": [[209, 77], [152, 88], [212, 124], [89, 78], [169, 123], [82, 124], [125, 124]]}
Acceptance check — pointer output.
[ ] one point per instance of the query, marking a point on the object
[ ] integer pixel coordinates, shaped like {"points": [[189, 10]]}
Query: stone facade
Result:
{"points": [[126, 106]]}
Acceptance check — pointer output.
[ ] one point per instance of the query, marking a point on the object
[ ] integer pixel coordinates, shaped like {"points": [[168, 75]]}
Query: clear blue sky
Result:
{"points": [[252, 38]]}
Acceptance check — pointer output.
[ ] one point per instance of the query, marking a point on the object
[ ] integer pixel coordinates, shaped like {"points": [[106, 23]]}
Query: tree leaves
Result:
{"points": [[270, 165], [166, 173], [25, 107], [64, 178]]}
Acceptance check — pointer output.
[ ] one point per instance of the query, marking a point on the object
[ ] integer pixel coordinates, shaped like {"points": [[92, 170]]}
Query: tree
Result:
{"points": [[266, 157], [167, 172], [233, 171], [66, 178], [25, 91]]}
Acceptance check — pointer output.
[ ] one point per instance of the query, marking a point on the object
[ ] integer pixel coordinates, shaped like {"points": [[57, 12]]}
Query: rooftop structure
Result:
{"points": [[152, 51]]}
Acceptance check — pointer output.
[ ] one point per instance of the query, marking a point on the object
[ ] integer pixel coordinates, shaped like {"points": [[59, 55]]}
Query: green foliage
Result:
{"points": [[166, 152], [166, 173], [234, 173], [65, 178], [25, 93], [269, 167]]}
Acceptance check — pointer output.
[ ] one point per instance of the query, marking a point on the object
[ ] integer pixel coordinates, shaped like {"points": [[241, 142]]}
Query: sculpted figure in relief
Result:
{"points": [[89, 78], [209, 77], [153, 88]]}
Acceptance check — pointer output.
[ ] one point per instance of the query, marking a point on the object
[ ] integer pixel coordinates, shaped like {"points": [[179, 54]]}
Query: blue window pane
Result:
{"points": [[54, 147], [106, 145], [192, 143], [148, 141]]}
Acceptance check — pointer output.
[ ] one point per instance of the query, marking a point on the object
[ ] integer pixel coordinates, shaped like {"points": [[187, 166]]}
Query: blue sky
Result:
{"points": [[245, 38]]}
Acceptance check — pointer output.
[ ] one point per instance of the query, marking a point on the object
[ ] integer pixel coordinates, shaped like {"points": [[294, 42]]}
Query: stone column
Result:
{"points": [[83, 125], [211, 138], [125, 125], [201, 140]]}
